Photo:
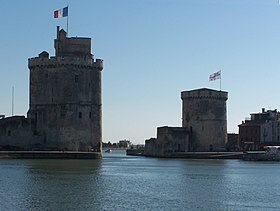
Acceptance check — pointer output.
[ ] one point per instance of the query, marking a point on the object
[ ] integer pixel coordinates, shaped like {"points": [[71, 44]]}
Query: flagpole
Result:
{"points": [[67, 26], [221, 81], [67, 18], [13, 100]]}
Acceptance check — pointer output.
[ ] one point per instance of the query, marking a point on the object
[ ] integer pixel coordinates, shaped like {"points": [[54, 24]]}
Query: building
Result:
{"points": [[204, 126], [124, 143], [232, 142], [262, 129], [65, 101], [249, 135], [205, 115], [169, 140]]}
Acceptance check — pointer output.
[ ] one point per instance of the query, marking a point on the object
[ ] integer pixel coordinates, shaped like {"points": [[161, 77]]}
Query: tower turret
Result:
{"points": [[205, 115]]}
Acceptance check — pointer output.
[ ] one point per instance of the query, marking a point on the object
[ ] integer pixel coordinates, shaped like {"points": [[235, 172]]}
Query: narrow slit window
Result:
{"points": [[76, 78]]}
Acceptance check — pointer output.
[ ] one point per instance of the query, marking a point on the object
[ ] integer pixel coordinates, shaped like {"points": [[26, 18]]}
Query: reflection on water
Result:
{"points": [[50, 184], [120, 182], [64, 183]]}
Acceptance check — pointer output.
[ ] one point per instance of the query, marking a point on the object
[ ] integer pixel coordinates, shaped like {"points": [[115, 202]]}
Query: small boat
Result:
{"points": [[108, 150]]}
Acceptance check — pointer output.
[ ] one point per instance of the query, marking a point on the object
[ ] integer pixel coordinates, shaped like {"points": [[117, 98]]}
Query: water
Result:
{"points": [[119, 182]]}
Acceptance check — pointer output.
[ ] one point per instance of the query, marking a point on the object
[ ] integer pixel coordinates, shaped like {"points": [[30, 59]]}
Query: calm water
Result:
{"points": [[119, 182]]}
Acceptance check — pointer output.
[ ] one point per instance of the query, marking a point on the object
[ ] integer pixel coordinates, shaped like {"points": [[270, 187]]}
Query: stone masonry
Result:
{"points": [[204, 126], [65, 98], [205, 115]]}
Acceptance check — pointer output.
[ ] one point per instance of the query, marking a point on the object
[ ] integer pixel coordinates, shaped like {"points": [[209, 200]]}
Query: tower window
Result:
{"points": [[76, 78], [9, 133], [62, 111], [80, 115], [89, 115], [36, 116]]}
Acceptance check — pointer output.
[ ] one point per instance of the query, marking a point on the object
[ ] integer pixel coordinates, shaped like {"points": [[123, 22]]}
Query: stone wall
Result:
{"points": [[16, 133], [169, 140]]}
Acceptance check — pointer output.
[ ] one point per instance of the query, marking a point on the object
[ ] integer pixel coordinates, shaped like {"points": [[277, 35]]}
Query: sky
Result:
{"points": [[152, 50]]}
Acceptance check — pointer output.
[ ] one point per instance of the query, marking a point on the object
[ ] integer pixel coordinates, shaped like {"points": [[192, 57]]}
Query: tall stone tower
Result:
{"points": [[204, 113], [65, 96]]}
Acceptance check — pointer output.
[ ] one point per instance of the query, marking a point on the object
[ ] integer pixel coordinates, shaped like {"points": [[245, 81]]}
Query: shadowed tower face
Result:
{"points": [[65, 96], [205, 115]]}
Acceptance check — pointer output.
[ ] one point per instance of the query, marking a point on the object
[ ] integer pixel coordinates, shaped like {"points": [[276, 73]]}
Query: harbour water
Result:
{"points": [[120, 182]]}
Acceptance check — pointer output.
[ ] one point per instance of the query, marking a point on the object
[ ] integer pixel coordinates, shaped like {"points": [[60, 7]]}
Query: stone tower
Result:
{"points": [[204, 114], [65, 96]]}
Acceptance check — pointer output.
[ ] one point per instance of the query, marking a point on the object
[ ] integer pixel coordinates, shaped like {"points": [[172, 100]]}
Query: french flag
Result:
{"points": [[61, 13]]}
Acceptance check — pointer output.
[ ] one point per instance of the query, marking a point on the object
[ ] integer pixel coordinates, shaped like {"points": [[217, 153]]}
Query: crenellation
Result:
{"points": [[99, 64], [55, 62], [204, 93]]}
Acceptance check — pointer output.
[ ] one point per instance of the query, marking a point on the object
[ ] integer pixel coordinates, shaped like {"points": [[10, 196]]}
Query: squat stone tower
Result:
{"points": [[65, 96], [204, 114]]}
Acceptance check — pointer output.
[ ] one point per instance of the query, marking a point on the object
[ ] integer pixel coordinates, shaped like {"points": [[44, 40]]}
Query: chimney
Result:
{"points": [[263, 110]]}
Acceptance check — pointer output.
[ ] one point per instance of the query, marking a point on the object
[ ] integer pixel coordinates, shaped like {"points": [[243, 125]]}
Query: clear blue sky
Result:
{"points": [[152, 50]]}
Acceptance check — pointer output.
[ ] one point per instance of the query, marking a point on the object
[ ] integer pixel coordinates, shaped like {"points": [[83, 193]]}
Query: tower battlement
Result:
{"points": [[204, 93], [54, 62]]}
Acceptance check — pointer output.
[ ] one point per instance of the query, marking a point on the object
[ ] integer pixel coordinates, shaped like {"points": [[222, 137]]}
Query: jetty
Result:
{"points": [[49, 155]]}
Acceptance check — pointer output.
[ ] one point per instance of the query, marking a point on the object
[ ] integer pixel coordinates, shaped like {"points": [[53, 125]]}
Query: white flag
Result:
{"points": [[215, 76]]}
